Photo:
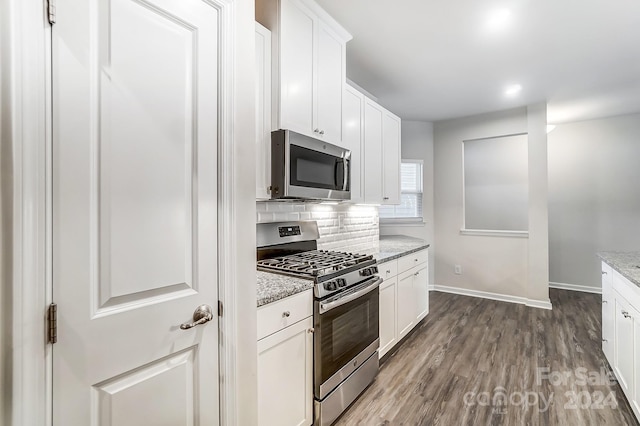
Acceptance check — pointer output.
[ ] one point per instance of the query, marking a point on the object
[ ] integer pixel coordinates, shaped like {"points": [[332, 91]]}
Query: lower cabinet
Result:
{"points": [[404, 299], [621, 332], [388, 315], [608, 312], [285, 362]]}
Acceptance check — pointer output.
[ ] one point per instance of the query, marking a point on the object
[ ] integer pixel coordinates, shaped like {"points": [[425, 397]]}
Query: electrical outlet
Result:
{"points": [[458, 269]]}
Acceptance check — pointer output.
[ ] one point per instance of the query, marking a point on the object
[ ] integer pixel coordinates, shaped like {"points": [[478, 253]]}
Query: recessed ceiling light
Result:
{"points": [[513, 90], [498, 19]]}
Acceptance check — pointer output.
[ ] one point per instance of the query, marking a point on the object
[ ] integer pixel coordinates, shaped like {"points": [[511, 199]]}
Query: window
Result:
{"points": [[410, 207], [496, 184]]}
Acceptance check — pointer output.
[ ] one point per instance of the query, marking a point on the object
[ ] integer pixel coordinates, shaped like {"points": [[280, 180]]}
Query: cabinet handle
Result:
{"points": [[604, 301], [604, 272], [416, 274], [604, 340], [316, 130], [311, 330], [286, 314], [322, 132], [626, 314], [388, 271], [385, 198]]}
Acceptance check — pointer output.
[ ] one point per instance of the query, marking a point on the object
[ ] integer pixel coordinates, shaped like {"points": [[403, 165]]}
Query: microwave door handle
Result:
{"points": [[345, 176], [325, 307], [335, 174]]}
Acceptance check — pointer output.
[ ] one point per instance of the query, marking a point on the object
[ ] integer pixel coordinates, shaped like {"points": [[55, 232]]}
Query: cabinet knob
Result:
{"points": [[416, 274], [322, 132], [286, 314], [316, 130], [604, 301], [388, 271], [311, 330], [604, 340], [626, 314], [604, 272]]}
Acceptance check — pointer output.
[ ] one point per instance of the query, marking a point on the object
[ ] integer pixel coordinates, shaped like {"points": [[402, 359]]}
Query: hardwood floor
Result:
{"points": [[481, 362]]}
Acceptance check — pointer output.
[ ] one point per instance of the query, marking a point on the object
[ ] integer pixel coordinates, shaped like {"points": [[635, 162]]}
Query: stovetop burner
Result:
{"points": [[314, 263]]}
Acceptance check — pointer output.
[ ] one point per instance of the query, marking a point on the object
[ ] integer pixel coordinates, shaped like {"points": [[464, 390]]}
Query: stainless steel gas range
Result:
{"points": [[345, 313]]}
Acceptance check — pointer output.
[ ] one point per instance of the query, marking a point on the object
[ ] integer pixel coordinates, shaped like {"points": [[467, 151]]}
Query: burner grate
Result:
{"points": [[315, 262]]}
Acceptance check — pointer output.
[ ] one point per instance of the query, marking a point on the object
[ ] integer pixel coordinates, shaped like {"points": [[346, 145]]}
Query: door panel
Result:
{"points": [[135, 211], [353, 103], [391, 159], [372, 153], [330, 85]]}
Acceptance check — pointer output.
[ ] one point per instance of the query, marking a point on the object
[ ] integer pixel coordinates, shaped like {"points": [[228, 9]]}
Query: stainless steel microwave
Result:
{"points": [[307, 168]]}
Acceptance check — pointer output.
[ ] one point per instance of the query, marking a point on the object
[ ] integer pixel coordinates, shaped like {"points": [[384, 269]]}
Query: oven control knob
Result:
{"points": [[330, 285], [341, 282]]}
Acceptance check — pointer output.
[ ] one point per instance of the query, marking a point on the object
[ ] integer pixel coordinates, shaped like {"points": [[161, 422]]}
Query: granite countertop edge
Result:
{"points": [[272, 287], [626, 263]]}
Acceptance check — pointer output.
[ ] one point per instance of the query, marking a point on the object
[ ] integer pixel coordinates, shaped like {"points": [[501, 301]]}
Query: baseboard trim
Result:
{"points": [[541, 304], [575, 287]]}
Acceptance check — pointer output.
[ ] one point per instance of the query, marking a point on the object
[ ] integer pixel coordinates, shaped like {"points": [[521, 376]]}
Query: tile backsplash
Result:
{"points": [[342, 226]]}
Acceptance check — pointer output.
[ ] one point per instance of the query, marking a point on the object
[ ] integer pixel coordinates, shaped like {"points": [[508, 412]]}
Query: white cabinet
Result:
{"points": [[372, 164], [608, 312], [285, 362], [308, 67], [263, 112], [352, 137], [381, 155], [621, 332], [388, 314], [624, 356], [404, 297], [390, 158]]}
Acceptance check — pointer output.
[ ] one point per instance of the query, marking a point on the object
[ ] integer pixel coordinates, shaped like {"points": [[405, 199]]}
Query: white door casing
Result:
{"points": [[135, 226]]}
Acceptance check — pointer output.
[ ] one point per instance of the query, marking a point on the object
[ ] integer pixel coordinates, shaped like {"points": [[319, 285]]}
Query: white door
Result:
{"points": [[331, 58], [135, 104], [372, 152], [391, 159]]}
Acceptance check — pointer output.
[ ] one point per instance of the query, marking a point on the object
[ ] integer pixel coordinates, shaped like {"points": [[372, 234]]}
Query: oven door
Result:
{"points": [[346, 334]]}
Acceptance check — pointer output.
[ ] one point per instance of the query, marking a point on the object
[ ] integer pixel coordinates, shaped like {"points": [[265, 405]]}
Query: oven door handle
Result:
{"points": [[324, 307]]}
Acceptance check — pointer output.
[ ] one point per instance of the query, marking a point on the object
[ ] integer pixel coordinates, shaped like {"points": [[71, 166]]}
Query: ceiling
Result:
{"points": [[434, 60]]}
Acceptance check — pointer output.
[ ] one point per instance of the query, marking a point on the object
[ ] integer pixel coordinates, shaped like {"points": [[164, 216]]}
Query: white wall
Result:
{"points": [[417, 144], [490, 264], [594, 195]]}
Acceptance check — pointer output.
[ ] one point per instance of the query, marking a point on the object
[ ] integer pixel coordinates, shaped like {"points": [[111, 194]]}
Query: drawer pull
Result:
{"points": [[604, 340], [626, 314], [604, 272], [286, 314], [388, 271]]}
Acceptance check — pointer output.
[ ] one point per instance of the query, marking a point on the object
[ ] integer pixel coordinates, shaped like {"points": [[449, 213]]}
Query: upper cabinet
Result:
{"points": [[352, 138], [308, 67], [381, 150], [263, 112]]}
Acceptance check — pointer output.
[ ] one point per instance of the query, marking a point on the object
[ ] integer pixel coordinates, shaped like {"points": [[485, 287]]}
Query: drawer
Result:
{"points": [[388, 269], [414, 259], [282, 313], [628, 290]]}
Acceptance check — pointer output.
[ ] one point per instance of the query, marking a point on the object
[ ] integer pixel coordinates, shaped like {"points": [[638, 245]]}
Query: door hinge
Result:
{"points": [[220, 308], [52, 319], [51, 11]]}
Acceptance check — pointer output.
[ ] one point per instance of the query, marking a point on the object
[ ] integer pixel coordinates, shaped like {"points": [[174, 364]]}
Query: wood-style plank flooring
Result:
{"points": [[476, 362]]}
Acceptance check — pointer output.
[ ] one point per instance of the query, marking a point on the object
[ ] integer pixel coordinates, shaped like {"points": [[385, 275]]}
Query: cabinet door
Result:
{"points": [[331, 57], [372, 152], [624, 345], [608, 313], [391, 158], [298, 28], [263, 112], [406, 310], [421, 289], [353, 107], [635, 400], [285, 387], [388, 300]]}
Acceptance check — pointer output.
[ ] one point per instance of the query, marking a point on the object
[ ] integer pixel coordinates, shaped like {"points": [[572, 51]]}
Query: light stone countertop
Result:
{"points": [[626, 263], [272, 287]]}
